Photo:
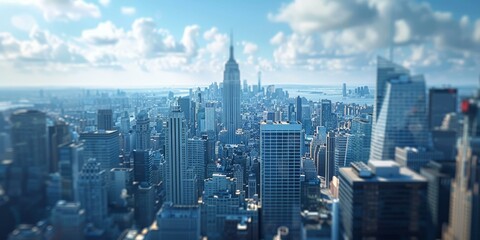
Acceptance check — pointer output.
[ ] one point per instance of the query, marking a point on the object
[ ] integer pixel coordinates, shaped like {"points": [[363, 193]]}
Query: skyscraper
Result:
{"points": [[464, 220], [144, 205], [104, 119], [68, 220], [92, 192], [176, 157], [196, 152], [30, 162], [329, 166], [142, 166], [441, 102], [298, 108], [231, 96], [400, 120], [210, 118], [104, 146], [326, 114], [70, 164], [382, 201], [280, 152], [142, 131]]}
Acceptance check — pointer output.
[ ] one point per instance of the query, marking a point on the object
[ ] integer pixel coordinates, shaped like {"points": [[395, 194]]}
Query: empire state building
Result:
{"points": [[231, 96]]}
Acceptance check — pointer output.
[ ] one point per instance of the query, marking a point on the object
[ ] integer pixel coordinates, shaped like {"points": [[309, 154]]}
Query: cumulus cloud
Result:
{"points": [[249, 48], [128, 10], [23, 22], [331, 31], [105, 33], [62, 9]]}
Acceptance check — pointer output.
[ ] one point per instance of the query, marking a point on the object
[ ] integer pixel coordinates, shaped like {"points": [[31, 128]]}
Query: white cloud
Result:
{"points": [[189, 39], [23, 22], [104, 2], [402, 31], [63, 10], [128, 10], [249, 48], [105, 33], [326, 30]]}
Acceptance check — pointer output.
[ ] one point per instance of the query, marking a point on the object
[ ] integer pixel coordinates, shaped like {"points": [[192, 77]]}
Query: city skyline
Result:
{"points": [[133, 45]]}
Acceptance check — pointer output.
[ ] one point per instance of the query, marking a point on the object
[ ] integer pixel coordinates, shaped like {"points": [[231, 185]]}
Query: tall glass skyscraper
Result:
{"points": [[231, 97], [280, 152], [400, 119], [179, 189]]}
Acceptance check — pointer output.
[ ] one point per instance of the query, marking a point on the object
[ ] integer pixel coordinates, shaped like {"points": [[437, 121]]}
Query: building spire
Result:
{"points": [[231, 45]]}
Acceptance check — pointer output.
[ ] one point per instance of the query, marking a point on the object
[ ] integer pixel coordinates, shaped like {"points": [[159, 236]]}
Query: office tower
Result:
{"points": [[344, 90], [104, 119], [120, 184], [298, 108], [196, 152], [29, 142], [415, 158], [180, 222], [329, 167], [219, 200], [53, 189], [231, 97], [358, 144], [68, 221], [291, 112], [92, 193], [70, 164], [340, 150], [465, 198], [309, 185], [142, 166], [104, 146], [441, 101], [444, 138], [439, 176], [144, 205], [58, 134], [210, 118], [326, 115], [382, 201], [280, 152], [400, 120], [252, 185], [188, 108], [179, 174], [142, 131]]}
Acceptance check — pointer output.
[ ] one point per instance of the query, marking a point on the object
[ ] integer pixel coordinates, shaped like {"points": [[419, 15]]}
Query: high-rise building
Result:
{"points": [[196, 152], [58, 134], [210, 118], [142, 166], [400, 120], [341, 139], [104, 119], [30, 162], [178, 222], [329, 166], [92, 193], [219, 200], [441, 102], [464, 222], [68, 221], [142, 131], [382, 201], [104, 146], [177, 163], [260, 82], [231, 97], [298, 109], [144, 205], [344, 90], [439, 176], [326, 115], [358, 144], [280, 153], [70, 164], [120, 184]]}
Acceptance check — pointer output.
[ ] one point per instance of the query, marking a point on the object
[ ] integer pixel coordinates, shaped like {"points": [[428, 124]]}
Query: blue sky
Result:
{"points": [[148, 43]]}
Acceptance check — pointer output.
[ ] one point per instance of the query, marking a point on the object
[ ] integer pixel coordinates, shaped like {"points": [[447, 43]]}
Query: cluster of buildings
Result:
{"points": [[244, 162]]}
